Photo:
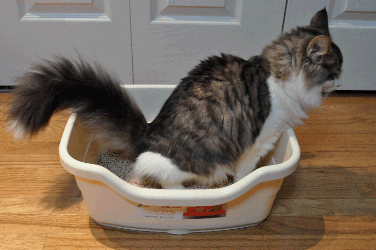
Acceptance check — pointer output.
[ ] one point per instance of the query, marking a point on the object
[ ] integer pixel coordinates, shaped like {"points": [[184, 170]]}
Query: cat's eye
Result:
{"points": [[332, 77]]}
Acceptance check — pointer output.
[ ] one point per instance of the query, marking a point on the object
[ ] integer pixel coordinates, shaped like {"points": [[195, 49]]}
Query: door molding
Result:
{"points": [[206, 12], [95, 11]]}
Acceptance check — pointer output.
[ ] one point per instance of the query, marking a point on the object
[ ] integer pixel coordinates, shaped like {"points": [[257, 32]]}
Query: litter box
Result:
{"points": [[113, 202]]}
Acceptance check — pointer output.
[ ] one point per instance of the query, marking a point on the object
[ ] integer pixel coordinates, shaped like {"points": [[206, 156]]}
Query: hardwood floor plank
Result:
{"points": [[363, 160], [346, 242], [5, 98], [347, 108], [337, 143], [29, 148], [363, 225], [45, 223], [324, 207], [52, 133], [344, 126], [37, 181], [42, 205], [326, 183], [22, 241], [7, 160], [351, 99]]}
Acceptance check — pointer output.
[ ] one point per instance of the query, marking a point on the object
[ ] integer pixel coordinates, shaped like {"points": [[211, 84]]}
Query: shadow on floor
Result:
{"points": [[62, 194]]}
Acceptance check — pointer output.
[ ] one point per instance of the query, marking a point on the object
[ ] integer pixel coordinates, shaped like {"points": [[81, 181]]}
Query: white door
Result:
{"points": [[165, 38], [153, 42], [352, 25], [169, 37], [34, 29]]}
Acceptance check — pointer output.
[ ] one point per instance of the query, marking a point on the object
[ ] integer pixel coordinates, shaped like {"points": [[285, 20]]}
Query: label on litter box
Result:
{"points": [[160, 212], [204, 212], [172, 212]]}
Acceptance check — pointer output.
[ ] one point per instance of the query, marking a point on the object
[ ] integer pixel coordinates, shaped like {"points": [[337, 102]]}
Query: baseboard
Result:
{"points": [[354, 93], [6, 89]]}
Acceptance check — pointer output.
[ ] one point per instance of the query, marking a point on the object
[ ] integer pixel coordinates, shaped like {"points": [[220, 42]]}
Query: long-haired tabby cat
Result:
{"points": [[218, 122]]}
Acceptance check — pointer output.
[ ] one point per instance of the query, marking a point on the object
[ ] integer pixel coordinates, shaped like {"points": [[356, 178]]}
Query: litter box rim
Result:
{"points": [[172, 197]]}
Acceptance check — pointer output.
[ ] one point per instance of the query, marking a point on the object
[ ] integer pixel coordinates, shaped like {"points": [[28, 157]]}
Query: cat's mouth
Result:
{"points": [[330, 86]]}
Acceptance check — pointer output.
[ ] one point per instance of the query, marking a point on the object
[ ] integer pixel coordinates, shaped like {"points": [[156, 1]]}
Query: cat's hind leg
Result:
{"points": [[162, 169]]}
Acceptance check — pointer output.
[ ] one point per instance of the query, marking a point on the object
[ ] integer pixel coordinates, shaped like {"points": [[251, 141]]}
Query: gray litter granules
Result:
{"points": [[116, 163], [122, 167]]}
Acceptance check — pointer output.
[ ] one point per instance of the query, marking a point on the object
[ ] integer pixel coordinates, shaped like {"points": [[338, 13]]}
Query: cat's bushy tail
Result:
{"points": [[97, 98]]}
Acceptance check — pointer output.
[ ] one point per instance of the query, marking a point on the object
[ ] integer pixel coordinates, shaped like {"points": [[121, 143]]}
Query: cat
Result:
{"points": [[219, 121]]}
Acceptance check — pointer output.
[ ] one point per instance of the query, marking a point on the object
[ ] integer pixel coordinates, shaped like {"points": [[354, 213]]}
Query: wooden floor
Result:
{"points": [[328, 203]]}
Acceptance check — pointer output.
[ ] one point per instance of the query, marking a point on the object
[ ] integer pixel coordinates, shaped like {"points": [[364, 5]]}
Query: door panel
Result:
{"points": [[198, 3], [351, 14], [188, 11], [170, 37], [353, 11], [352, 25], [71, 10], [36, 29]]}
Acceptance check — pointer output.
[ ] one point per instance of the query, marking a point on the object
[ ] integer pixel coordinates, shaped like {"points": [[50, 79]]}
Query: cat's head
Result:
{"points": [[308, 53]]}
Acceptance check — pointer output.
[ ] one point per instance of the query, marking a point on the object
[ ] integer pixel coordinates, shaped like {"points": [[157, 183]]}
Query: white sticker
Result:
{"points": [[171, 212], [160, 212]]}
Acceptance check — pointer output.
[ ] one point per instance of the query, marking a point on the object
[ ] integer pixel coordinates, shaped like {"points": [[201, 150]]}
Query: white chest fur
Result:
{"points": [[288, 100]]}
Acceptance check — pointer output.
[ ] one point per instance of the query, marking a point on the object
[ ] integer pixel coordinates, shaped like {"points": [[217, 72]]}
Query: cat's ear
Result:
{"points": [[318, 48], [320, 21]]}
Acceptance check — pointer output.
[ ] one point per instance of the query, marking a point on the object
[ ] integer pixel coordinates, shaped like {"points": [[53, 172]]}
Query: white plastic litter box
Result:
{"points": [[111, 201]]}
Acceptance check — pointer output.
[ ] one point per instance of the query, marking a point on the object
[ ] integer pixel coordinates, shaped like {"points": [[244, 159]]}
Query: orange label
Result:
{"points": [[206, 211]]}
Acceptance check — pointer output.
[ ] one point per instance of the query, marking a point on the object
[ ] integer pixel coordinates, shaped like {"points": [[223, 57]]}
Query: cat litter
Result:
{"points": [[121, 167], [114, 199]]}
